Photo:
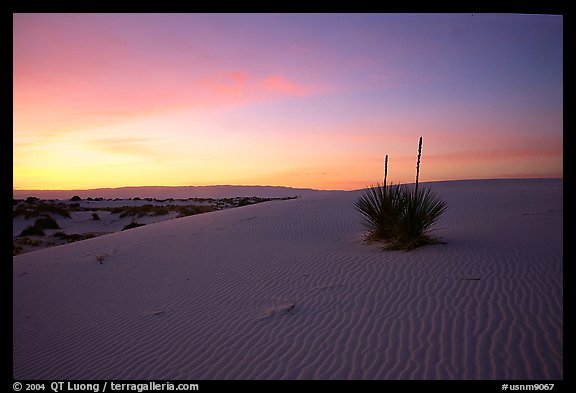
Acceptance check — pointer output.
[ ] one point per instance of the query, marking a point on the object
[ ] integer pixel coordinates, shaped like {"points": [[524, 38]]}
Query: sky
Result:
{"points": [[299, 100]]}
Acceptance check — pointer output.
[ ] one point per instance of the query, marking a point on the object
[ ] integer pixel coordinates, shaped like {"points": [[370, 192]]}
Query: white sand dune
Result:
{"points": [[288, 290]]}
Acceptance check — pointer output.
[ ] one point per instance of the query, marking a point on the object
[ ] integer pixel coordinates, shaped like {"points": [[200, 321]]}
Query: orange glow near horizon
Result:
{"points": [[112, 100]]}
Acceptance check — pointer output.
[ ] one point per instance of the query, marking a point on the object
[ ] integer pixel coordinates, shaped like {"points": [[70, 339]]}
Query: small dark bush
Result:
{"points": [[32, 200], [75, 198], [95, 216], [247, 201], [132, 225], [16, 249], [74, 237], [184, 211], [116, 210], [138, 211], [32, 231], [47, 223], [161, 211], [22, 211], [55, 209], [60, 235], [40, 209]]}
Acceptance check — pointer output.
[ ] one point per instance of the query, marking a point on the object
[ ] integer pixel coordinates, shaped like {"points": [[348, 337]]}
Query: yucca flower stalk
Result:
{"points": [[418, 166], [385, 169]]}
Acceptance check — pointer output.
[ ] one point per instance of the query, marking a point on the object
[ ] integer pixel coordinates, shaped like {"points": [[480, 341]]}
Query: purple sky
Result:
{"points": [[304, 100]]}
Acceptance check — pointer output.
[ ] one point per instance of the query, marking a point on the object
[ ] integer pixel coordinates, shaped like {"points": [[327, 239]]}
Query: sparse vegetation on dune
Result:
{"points": [[184, 211], [16, 249], [141, 211], [37, 209], [32, 230], [132, 225], [25, 242], [398, 215], [74, 237], [47, 223], [153, 211], [34, 236]]}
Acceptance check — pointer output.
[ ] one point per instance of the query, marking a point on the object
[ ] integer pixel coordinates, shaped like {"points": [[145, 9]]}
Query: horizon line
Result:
{"points": [[277, 186]]}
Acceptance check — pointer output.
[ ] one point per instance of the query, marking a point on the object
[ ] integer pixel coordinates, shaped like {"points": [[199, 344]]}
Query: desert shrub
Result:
{"points": [[75, 198], [55, 209], [31, 210], [47, 223], [27, 241], [116, 210], [245, 202], [60, 235], [128, 212], [16, 249], [421, 210], [400, 216], [132, 225], [184, 211], [32, 230], [381, 207], [74, 237], [95, 217], [141, 211], [23, 211], [161, 211]]}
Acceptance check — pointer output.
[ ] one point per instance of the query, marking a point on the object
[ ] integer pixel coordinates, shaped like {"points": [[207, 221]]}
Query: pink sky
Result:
{"points": [[312, 100]]}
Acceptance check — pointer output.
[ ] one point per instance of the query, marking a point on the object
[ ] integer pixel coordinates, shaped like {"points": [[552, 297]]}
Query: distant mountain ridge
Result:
{"points": [[176, 192]]}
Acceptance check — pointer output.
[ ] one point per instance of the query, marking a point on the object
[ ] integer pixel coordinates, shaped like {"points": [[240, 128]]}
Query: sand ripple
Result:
{"points": [[287, 290]]}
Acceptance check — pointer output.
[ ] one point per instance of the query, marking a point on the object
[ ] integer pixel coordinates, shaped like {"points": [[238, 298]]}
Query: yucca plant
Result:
{"points": [[421, 210], [381, 207], [399, 216]]}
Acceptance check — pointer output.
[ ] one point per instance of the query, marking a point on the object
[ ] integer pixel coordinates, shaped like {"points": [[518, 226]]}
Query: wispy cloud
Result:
{"points": [[229, 84], [123, 145], [242, 87], [279, 84]]}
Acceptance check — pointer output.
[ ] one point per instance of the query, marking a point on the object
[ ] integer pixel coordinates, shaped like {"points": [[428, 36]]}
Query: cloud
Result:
{"points": [[240, 87], [232, 84], [124, 145], [281, 85]]}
